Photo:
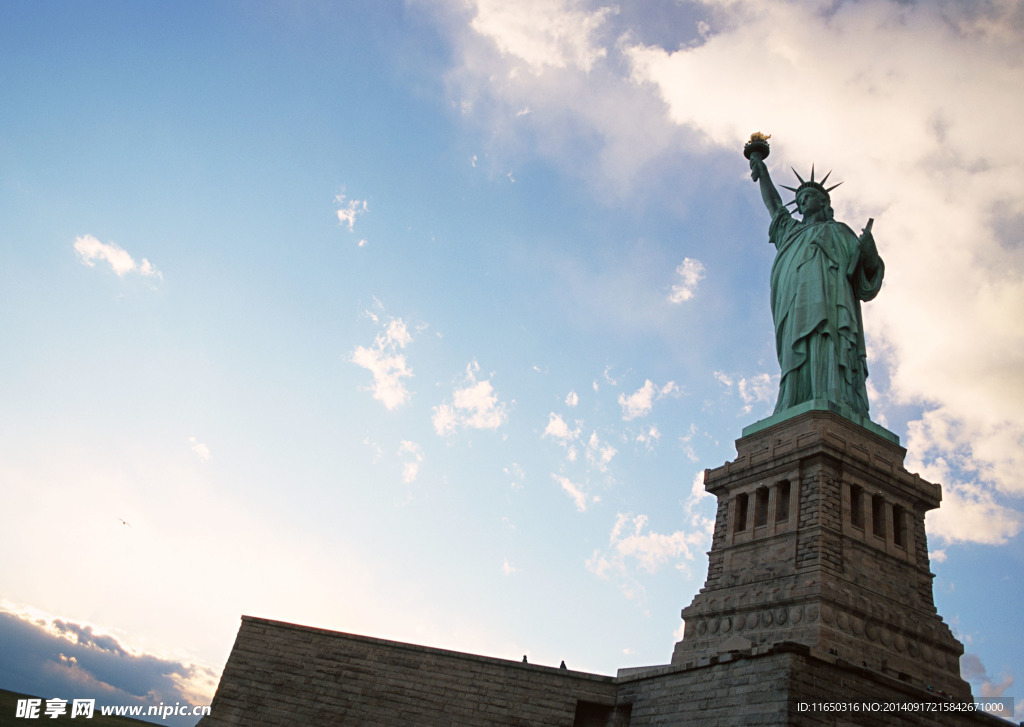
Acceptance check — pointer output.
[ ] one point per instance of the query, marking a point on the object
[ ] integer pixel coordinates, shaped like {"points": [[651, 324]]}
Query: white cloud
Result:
{"points": [[90, 250], [559, 430], [387, 365], [579, 497], [640, 402], [631, 542], [632, 545], [946, 317], [686, 444], [933, 169], [201, 450], [559, 59], [649, 436], [970, 512], [690, 272], [507, 568], [541, 34], [483, 410], [599, 455], [474, 406], [516, 473], [378, 452], [412, 457], [572, 399], [444, 419], [348, 211], [759, 388]]}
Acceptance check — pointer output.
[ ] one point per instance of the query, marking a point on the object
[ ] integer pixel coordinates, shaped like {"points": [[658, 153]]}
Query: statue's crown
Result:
{"points": [[820, 186]]}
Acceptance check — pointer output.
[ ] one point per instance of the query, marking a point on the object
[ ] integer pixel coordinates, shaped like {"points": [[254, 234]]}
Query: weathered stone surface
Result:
{"points": [[819, 540], [283, 674]]}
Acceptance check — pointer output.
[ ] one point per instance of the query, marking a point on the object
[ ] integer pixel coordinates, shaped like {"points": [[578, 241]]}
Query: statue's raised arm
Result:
{"points": [[756, 150], [822, 272]]}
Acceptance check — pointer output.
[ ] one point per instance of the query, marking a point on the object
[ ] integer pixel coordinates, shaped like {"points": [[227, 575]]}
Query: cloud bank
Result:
{"points": [[53, 657], [910, 103]]}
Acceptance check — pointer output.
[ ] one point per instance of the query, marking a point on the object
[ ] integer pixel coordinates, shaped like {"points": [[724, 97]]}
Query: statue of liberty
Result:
{"points": [[822, 271]]}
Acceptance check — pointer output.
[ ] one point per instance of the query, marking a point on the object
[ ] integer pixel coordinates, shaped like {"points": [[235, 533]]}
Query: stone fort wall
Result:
{"points": [[283, 674]]}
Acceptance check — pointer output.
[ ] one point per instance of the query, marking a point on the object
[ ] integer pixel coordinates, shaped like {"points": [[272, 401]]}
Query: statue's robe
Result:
{"points": [[818, 280]]}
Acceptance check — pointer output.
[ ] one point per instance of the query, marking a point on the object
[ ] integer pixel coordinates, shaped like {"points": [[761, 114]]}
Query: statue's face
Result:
{"points": [[810, 202]]}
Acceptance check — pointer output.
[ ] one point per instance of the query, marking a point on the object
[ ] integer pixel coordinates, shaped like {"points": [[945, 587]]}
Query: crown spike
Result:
{"points": [[791, 189], [832, 187], [812, 172], [798, 176], [825, 178], [787, 204]]}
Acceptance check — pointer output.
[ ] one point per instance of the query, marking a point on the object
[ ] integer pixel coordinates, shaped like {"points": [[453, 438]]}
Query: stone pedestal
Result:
{"points": [[819, 539]]}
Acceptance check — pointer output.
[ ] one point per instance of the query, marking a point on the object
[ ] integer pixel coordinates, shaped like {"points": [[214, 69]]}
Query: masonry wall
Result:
{"points": [[767, 689], [283, 674]]}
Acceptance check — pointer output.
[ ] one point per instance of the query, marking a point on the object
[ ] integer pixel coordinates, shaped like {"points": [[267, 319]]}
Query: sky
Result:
{"points": [[423, 319]]}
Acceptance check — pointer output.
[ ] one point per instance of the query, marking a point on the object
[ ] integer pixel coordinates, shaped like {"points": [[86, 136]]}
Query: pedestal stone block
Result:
{"points": [[819, 540]]}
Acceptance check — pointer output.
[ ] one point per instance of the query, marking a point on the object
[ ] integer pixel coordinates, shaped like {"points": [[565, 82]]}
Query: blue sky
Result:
{"points": [[423, 319]]}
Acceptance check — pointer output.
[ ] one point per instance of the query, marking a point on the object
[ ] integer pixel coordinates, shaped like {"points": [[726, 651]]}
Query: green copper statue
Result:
{"points": [[822, 271]]}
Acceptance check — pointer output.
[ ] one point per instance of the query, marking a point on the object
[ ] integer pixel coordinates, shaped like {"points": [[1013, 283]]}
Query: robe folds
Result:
{"points": [[818, 280]]}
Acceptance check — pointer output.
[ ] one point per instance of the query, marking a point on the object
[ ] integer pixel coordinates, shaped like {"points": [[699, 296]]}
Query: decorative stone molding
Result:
{"points": [[819, 540]]}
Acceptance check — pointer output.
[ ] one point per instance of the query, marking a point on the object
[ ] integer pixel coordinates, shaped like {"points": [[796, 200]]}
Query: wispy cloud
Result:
{"points": [[759, 388], [473, 406], [388, 366], [201, 450], [630, 539], [689, 273], [515, 474], [576, 492], [90, 250], [348, 210], [649, 436], [633, 545], [412, 456], [640, 402], [599, 454]]}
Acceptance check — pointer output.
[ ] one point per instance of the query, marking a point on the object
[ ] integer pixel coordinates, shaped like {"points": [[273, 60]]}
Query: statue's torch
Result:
{"points": [[757, 148], [758, 145]]}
